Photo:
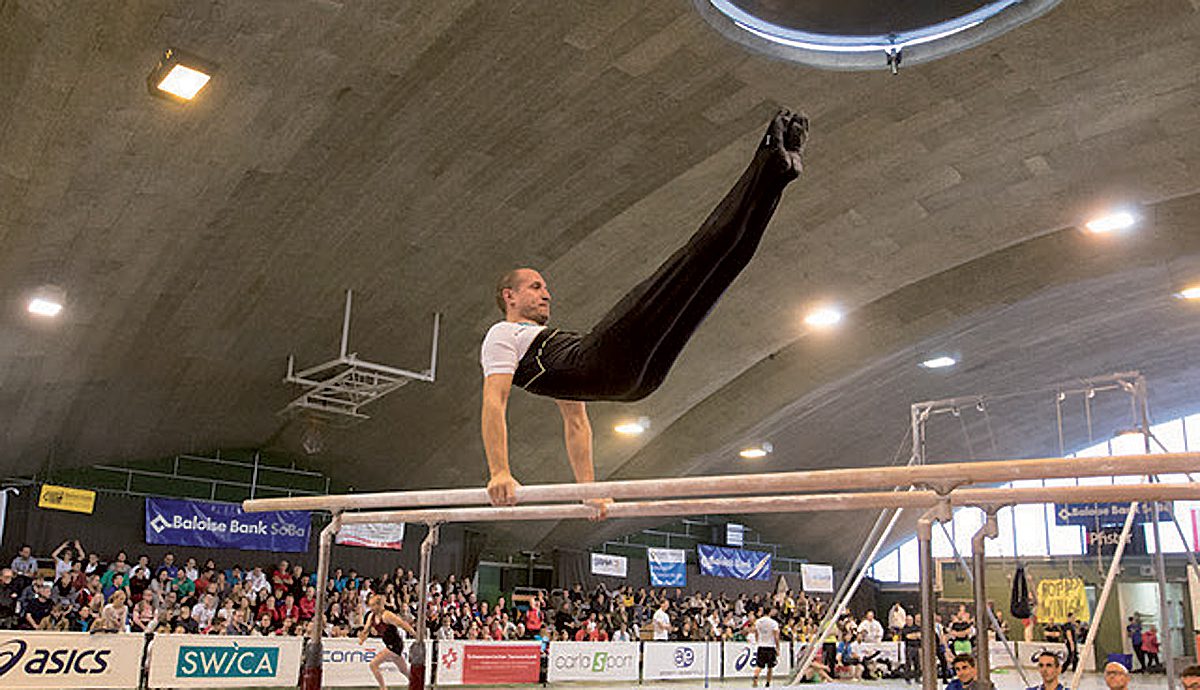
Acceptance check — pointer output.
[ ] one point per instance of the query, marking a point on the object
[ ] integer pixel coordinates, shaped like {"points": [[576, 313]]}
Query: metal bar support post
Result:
{"points": [[417, 660], [1160, 567], [988, 530], [310, 678], [939, 513]]}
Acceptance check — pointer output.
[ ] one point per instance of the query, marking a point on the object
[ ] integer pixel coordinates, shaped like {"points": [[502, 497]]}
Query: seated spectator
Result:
{"points": [[288, 608], [264, 626], [167, 566], [64, 557], [37, 607], [184, 622], [115, 615], [57, 620], [93, 565], [308, 604], [82, 620], [24, 567], [204, 611], [143, 618]]}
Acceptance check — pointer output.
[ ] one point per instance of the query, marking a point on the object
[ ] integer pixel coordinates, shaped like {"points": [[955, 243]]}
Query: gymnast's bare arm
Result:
{"points": [[502, 487]]}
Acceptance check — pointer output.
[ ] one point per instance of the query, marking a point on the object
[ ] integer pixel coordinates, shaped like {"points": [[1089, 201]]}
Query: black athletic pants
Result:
{"points": [[627, 355]]}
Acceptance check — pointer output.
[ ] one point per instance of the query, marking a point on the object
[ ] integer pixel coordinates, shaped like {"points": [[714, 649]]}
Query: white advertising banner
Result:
{"points": [[344, 663], [892, 651], [218, 661], [69, 660], [373, 535], [604, 564], [463, 662], [600, 661], [739, 659], [668, 660], [816, 578]]}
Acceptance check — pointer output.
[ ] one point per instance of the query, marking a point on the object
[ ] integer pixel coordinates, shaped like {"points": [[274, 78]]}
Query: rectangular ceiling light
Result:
{"points": [[179, 76]]}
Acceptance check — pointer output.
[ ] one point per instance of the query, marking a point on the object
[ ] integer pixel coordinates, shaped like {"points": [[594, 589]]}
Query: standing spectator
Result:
{"points": [[911, 634], [871, 629], [662, 621], [533, 618], [897, 619], [10, 594], [1134, 630], [1070, 638], [64, 557], [1150, 649]]}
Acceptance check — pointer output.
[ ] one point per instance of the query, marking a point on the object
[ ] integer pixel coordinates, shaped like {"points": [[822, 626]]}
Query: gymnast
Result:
{"points": [[627, 355]]}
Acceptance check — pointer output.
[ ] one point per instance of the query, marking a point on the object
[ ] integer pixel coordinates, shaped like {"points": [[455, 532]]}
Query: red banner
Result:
{"points": [[495, 664]]}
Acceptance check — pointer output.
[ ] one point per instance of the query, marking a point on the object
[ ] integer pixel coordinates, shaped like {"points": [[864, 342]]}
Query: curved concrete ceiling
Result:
{"points": [[415, 151]]}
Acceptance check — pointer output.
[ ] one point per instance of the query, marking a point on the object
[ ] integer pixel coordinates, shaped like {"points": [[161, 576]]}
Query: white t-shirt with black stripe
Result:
{"points": [[505, 344]]}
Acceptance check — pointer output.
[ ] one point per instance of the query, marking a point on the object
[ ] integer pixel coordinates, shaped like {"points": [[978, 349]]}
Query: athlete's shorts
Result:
{"points": [[766, 657]]}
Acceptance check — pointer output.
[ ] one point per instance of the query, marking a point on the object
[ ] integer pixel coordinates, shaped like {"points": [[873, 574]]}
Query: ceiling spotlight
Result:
{"points": [[179, 76], [1118, 220], [633, 428], [756, 452], [823, 317], [1192, 292], [940, 362], [44, 307], [46, 301]]}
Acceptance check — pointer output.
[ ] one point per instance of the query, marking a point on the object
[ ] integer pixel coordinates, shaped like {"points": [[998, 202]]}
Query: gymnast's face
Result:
{"points": [[529, 300]]}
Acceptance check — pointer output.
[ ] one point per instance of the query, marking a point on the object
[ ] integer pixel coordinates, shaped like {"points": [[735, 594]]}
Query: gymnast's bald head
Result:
{"points": [[522, 295]]}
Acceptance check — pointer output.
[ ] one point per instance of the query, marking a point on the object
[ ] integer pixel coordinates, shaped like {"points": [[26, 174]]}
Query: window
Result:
{"points": [[1031, 530]]}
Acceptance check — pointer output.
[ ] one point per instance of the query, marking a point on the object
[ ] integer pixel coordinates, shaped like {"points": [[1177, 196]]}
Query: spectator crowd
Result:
{"points": [[87, 594]]}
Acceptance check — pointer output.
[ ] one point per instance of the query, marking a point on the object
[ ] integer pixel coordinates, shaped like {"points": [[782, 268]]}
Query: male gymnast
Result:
{"points": [[627, 355]]}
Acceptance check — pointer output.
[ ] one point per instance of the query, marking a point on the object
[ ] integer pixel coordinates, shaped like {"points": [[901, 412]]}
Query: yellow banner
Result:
{"points": [[66, 498], [1057, 598]]}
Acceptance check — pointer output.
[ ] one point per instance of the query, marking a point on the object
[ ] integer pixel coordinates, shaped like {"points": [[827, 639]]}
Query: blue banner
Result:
{"points": [[1109, 514], [224, 526], [668, 567], [739, 563]]}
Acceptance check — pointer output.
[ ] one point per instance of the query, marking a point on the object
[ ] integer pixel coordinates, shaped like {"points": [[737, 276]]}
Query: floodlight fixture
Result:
{"points": [[939, 362], [179, 76]]}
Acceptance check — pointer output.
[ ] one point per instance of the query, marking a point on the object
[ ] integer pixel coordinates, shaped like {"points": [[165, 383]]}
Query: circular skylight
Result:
{"points": [[865, 34]]}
